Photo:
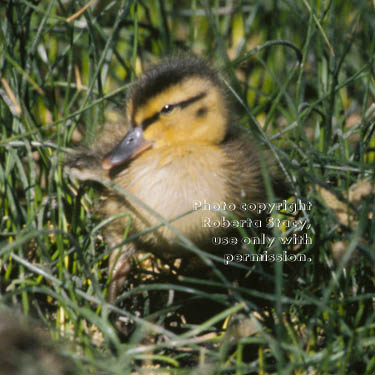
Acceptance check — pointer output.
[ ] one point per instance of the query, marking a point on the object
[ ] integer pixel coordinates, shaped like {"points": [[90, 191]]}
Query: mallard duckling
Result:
{"points": [[179, 148]]}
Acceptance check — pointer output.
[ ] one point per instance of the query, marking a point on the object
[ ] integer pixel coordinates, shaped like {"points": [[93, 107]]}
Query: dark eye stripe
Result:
{"points": [[192, 100], [148, 121]]}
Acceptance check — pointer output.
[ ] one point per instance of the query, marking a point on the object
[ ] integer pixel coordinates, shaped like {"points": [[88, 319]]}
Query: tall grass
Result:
{"points": [[302, 78]]}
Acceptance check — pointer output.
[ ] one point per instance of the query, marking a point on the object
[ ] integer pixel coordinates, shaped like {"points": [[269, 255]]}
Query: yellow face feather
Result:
{"points": [[201, 118]]}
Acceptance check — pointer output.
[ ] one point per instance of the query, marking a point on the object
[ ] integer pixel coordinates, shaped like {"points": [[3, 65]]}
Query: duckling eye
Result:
{"points": [[167, 108]]}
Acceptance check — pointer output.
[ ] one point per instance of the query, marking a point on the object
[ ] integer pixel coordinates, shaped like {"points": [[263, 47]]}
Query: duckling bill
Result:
{"points": [[177, 145]]}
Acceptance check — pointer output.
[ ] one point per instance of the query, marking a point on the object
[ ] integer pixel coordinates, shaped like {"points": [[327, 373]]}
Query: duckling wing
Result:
{"points": [[245, 177]]}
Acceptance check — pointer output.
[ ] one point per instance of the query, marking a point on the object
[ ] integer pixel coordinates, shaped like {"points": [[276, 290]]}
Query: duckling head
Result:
{"points": [[179, 102]]}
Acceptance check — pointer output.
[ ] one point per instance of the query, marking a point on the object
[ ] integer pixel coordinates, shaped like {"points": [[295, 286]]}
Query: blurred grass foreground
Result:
{"points": [[302, 77]]}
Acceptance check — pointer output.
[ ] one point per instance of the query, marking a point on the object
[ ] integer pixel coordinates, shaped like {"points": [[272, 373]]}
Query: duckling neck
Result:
{"points": [[187, 153], [201, 159]]}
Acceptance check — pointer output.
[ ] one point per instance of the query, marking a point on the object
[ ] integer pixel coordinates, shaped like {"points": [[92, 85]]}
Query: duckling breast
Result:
{"points": [[169, 181]]}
